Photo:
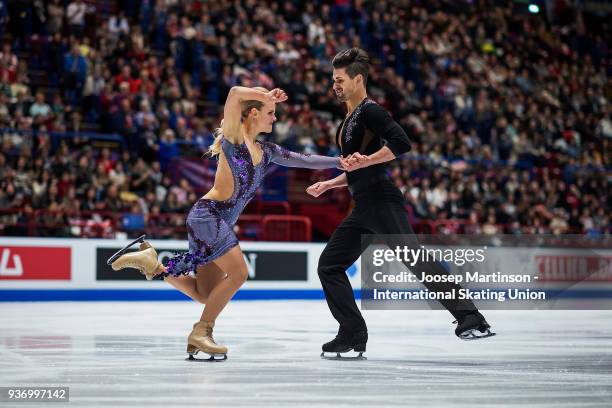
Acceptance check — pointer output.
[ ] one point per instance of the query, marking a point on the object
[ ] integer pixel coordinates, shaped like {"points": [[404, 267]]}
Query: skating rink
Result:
{"points": [[133, 354]]}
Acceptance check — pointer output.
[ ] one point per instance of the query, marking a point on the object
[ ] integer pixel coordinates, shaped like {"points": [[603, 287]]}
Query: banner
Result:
{"points": [[572, 273], [35, 263], [262, 265]]}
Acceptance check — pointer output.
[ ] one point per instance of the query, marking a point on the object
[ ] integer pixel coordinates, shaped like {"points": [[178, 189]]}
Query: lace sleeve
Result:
{"points": [[287, 158]]}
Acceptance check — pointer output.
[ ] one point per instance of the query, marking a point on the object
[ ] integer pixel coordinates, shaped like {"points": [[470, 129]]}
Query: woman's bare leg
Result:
{"points": [[208, 277], [198, 288], [233, 264]]}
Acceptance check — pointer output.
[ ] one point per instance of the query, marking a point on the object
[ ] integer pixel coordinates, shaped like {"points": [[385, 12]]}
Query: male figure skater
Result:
{"points": [[368, 138]]}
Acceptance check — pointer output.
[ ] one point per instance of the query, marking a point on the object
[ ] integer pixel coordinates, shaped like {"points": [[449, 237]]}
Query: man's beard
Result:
{"points": [[341, 97]]}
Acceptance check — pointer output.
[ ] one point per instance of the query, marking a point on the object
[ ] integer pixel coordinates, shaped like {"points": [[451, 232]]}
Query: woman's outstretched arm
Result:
{"points": [[287, 158]]}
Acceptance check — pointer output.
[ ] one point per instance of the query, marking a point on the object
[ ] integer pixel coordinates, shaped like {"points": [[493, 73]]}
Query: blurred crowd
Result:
{"points": [[509, 113]]}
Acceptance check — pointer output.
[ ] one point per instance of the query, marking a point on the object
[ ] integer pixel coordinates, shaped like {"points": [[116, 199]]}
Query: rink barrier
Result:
{"points": [[276, 271], [36, 269], [137, 295]]}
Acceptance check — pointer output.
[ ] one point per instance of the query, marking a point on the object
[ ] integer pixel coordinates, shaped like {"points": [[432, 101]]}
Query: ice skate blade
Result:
{"points": [[213, 358], [475, 334], [339, 356], [123, 250]]}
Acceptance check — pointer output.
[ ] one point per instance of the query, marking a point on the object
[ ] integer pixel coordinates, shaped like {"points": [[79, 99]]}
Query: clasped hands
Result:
{"points": [[349, 163], [354, 162]]}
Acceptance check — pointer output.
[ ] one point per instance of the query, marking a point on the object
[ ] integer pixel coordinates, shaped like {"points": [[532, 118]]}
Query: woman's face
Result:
{"points": [[264, 118]]}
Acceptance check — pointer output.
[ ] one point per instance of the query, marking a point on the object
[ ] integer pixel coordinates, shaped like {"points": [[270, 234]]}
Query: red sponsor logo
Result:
{"points": [[25, 263], [553, 268]]}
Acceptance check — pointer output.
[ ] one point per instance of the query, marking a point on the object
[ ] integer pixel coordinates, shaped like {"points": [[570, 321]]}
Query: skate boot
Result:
{"points": [[201, 339], [344, 342], [473, 326], [145, 259]]}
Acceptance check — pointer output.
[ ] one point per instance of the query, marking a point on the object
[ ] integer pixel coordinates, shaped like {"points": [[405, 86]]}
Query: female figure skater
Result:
{"points": [[214, 252]]}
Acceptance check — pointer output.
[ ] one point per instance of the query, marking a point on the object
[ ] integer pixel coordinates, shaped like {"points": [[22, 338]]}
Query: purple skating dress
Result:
{"points": [[210, 222]]}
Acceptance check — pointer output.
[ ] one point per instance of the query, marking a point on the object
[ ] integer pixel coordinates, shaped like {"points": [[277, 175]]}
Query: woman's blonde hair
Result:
{"points": [[245, 109]]}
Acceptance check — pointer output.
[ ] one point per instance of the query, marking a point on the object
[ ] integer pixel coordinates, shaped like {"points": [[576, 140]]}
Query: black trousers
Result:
{"points": [[378, 210]]}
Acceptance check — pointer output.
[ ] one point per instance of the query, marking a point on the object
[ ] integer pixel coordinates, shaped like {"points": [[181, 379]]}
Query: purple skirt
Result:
{"points": [[210, 237]]}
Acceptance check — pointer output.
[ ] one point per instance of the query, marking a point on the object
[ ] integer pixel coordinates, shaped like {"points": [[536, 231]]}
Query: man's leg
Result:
{"points": [[391, 219], [342, 250]]}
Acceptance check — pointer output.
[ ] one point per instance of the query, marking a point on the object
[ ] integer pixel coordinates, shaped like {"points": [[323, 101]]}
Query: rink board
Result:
{"points": [[44, 269], [71, 269]]}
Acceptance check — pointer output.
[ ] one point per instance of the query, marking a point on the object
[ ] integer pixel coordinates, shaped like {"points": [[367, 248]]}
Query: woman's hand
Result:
{"points": [[318, 188], [276, 95], [355, 161]]}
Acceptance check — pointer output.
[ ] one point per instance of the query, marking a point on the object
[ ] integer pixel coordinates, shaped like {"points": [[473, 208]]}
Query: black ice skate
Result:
{"points": [[344, 343], [123, 250], [473, 326]]}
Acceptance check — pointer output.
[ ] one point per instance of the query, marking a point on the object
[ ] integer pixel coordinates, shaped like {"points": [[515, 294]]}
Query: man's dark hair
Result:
{"points": [[355, 60]]}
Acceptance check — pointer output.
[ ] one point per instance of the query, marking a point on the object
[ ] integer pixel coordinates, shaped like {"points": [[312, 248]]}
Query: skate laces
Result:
{"points": [[209, 331]]}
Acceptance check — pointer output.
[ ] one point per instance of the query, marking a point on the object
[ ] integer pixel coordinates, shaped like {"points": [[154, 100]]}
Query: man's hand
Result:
{"points": [[318, 188], [354, 162]]}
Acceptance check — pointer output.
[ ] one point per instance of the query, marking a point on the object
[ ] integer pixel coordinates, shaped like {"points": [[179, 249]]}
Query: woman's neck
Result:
{"points": [[248, 136]]}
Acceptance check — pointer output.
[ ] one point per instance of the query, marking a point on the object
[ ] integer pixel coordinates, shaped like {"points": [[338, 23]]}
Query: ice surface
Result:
{"points": [[133, 354]]}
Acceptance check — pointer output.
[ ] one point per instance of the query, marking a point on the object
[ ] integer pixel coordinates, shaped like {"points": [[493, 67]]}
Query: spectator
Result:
{"points": [[8, 65], [75, 15], [118, 26], [75, 73], [4, 16], [55, 13], [40, 111], [168, 149], [497, 123]]}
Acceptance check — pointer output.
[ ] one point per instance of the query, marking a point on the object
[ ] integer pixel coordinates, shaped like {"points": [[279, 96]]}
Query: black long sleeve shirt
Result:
{"points": [[366, 130]]}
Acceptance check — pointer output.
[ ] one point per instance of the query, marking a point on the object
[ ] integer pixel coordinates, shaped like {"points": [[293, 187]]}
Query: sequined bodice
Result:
{"points": [[248, 177]]}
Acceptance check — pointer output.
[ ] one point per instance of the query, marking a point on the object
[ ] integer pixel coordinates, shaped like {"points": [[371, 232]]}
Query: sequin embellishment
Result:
{"points": [[353, 119], [210, 223]]}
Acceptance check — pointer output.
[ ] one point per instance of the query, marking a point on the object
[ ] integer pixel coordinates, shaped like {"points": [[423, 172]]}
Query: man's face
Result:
{"points": [[344, 86]]}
